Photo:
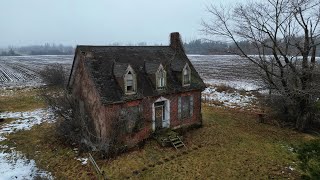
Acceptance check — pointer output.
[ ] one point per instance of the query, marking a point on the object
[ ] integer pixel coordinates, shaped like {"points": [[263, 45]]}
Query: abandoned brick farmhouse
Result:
{"points": [[137, 89]]}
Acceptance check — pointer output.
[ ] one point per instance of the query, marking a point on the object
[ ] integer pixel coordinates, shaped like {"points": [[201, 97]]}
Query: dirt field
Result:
{"points": [[20, 71]]}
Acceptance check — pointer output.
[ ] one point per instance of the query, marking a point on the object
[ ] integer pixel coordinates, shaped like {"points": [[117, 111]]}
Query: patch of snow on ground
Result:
{"points": [[83, 161], [247, 85], [228, 99], [25, 120], [13, 165]]}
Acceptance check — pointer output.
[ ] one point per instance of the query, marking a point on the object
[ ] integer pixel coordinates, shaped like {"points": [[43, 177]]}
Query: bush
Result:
{"points": [[278, 108], [67, 126], [54, 75], [309, 155]]}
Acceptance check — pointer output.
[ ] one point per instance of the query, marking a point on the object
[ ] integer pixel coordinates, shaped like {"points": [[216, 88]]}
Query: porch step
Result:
{"points": [[176, 142]]}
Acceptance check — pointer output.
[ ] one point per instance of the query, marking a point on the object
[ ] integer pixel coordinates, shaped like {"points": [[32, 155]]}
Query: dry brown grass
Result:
{"points": [[231, 145], [20, 100]]}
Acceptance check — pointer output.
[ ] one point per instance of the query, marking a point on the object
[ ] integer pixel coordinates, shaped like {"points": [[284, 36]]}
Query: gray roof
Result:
{"points": [[151, 67], [107, 63]]}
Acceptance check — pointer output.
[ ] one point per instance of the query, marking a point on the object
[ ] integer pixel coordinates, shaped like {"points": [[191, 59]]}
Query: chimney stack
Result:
{"points": [[175, 41]]}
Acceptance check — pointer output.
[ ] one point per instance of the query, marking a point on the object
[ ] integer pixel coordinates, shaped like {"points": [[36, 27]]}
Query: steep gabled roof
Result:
{"points": [[106, 64], [119, 69]]}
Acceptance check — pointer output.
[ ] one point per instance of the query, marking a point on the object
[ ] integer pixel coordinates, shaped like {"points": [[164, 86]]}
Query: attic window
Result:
{"points": [[161, 78], [130, 81], [186, 75]]}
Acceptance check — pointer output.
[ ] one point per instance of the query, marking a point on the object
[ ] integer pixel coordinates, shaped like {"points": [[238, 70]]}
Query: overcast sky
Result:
{"points": [[71, 22]]}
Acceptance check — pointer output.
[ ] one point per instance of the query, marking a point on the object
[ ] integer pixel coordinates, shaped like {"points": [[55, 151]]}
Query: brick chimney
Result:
{"points": [[175, 41]]}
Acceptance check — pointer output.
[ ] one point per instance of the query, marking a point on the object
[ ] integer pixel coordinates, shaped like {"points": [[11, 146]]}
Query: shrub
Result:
{"points": [[54, 75], [309, 155]]}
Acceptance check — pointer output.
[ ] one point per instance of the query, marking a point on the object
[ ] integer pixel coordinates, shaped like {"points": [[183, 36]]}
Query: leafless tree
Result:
{"points": [[285, 34]]}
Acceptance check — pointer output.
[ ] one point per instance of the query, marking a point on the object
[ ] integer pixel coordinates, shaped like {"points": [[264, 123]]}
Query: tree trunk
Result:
{"points": [[305, 116]]}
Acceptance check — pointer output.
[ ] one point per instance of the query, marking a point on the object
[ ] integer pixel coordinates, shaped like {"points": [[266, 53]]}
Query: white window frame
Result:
{"points": [[166, 120], [186, 67], [161, 84], [134, 81]]}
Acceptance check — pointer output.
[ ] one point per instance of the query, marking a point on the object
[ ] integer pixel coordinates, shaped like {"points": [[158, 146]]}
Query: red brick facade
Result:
{"points": [[103, 115]]}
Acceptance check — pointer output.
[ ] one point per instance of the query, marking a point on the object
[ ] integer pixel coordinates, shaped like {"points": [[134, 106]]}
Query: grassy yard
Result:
{"points": [[20, 100], [231, 145]]}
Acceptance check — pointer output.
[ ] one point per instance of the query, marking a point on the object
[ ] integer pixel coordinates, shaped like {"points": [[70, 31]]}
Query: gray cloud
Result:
{"points": [[26, 22]]}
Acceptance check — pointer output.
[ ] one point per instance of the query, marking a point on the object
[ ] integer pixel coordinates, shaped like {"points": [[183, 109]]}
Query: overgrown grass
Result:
{"points": [[231, 145], [20, 100], [41, 144]]}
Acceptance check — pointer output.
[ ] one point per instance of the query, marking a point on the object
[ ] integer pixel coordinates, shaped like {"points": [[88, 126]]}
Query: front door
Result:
{"points": [[159, 114]]}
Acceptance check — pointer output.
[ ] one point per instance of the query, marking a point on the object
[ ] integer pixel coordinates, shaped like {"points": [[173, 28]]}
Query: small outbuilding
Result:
{"points": [[126, 93]]}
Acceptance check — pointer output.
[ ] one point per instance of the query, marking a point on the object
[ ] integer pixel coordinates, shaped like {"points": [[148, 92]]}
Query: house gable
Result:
{"points": [[108, 64]]}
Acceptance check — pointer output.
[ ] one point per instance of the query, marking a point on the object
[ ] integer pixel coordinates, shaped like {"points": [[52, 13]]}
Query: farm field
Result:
{"points": [[21, 71]]}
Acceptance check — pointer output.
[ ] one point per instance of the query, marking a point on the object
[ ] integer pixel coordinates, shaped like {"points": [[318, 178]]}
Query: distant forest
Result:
{"points": [[198, 46], [206, 47], [46, 49]]}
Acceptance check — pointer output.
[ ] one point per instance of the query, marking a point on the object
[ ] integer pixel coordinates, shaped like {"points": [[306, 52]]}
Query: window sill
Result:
{"points": [[130, 93], [161, 89]]}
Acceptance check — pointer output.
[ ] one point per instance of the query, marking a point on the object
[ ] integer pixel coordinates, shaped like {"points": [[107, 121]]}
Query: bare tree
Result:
{"points": [[284, 33]]}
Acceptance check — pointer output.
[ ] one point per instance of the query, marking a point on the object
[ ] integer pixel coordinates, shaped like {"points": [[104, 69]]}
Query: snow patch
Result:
{"points": [[13, 165], [228, 99], [25, 120], [83, 161], [247, 85]]}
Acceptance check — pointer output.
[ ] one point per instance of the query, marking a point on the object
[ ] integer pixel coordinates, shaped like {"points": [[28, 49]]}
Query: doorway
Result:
{"points": [[161, 114]]}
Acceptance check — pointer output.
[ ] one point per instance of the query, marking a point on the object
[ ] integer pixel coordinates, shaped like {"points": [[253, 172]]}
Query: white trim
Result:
{"points": [[166, 121], [189, 77], [164, 78], [134, 81]]}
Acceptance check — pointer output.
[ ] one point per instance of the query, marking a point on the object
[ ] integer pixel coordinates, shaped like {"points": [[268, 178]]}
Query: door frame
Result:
{"points": [[166, 119]]}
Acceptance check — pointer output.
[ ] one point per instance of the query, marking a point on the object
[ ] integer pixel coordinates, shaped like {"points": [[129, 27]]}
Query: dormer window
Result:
{"points": [[186, 75], [161, 75], [130, 81]]}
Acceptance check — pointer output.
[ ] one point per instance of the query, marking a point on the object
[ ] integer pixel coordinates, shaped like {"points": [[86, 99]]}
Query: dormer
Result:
{"points": [[130, 81], [161, 78], [186, 75]]}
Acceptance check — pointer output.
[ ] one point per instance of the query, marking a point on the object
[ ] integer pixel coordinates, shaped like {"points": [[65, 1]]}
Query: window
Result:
{"points": [[130, 81], [185, 107], [131, 120], [186, 75], [161, 78]]}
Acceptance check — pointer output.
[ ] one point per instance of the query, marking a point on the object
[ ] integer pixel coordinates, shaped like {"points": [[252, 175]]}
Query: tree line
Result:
{"points": [[46, 49]]}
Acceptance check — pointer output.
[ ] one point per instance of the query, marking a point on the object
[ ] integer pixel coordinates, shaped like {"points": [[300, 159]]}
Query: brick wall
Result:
{"points": [[112, 111], [103, 116]]}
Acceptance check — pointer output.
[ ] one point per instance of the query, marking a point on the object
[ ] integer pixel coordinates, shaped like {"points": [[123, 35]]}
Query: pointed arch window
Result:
{"points": [[130, 81], [161, 76], [186, 75]]}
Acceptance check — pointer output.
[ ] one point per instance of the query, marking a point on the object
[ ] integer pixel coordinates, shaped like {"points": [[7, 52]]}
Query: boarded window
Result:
{"points": [[132, 118], [185, 107]]}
